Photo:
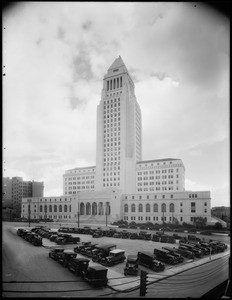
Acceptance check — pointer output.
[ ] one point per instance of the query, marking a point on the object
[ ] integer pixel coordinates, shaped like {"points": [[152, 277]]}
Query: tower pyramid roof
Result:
{"points": [[117, 63]]}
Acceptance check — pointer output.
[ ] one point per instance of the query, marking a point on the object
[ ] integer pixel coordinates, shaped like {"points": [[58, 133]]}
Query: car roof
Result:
{"points": [[81, 259], [105, 246], [132, 257], [69, 251], [117, 251], [98, 268]]}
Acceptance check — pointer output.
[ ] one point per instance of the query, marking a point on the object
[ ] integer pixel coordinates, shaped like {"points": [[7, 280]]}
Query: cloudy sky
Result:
{"points": [[55, 55]]}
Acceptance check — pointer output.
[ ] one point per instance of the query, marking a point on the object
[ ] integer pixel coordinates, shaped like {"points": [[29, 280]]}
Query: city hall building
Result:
{"points": [[122, 186]]}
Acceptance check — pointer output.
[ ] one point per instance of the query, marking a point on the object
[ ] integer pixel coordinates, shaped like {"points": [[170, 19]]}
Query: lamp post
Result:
{"points": [[29, 212]]}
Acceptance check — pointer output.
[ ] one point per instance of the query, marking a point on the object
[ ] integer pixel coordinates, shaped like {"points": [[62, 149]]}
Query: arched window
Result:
{"points": [[155, 207], [148, 207], [82, 208], [41, 208], [45, 208], [132, 207], [94, 208], [55, 208], [88, 208], [140, 207], [70, 208], [100, 208], [60, 208], [126, 208], [172, 208], [50, 208], [65, 208], [163, 207]]}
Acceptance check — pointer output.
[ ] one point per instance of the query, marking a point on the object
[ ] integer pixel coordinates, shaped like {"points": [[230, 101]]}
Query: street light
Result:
{"points": [[29, 212]]}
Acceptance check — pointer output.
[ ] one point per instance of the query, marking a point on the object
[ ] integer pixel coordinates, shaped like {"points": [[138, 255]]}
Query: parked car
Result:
{"points": [[177, 255], [101, 251], [115, 257], [78, 265], [97, 234], [55, 253], [68, 239], [96, 276], [148, 260], [125, 234], [21, 232], [66, 257], [185, 252], [131, 265], [117, 235], [197, 252], [193, 238], [156, 238], [36, 240], [134, 236], [53, 237], [77, 249], [87, 251], [165, 256]]}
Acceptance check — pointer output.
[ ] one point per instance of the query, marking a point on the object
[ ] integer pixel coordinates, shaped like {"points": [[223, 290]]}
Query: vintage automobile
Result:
{"points": [[21, 232], [97, 234], [101, 251], [87, 251], [192, 237], [184, 252], [53, 237], [36, 240], [66, 257], [134, 236], [149, 260], [156, 238], [165, 256], [131, 265], [204, 250], [197, 252], [29, 236], [218, 244], [115, 257], [125, 234], [68, 239], [96, 276], [117, 235], [55, 253], [177, 255], [78, 265], [207, 246], [77, 249]]}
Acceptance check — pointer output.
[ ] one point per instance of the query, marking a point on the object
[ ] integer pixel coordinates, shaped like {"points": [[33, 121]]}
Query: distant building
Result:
{"points": [[15, 189], [122, 186]]}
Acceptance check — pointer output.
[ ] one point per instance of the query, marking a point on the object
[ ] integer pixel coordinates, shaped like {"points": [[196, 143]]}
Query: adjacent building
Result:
{"points": [[122, 185], [16, 188]]}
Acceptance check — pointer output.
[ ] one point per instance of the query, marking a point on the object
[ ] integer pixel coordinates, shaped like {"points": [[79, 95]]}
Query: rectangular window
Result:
{"points": [[193, 207]]}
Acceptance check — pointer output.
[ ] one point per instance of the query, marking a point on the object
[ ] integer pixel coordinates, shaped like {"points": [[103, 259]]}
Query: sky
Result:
{"points": [[55, 55]]}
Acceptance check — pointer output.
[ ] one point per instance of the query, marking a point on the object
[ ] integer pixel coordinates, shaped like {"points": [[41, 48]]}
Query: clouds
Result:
{"points": [[56, 55]]}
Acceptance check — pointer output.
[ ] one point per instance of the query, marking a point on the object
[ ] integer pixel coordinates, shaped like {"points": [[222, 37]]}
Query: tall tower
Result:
{"points": [[119, 138]]}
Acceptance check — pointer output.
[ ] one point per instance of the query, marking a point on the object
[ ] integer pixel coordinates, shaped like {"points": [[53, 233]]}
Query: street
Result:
{"points": [[38, 275]]}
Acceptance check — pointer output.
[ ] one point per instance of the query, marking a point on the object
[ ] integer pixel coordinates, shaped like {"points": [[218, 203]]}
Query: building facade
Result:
{"points": [[16, 189], [79, 180], [122, 186]]}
